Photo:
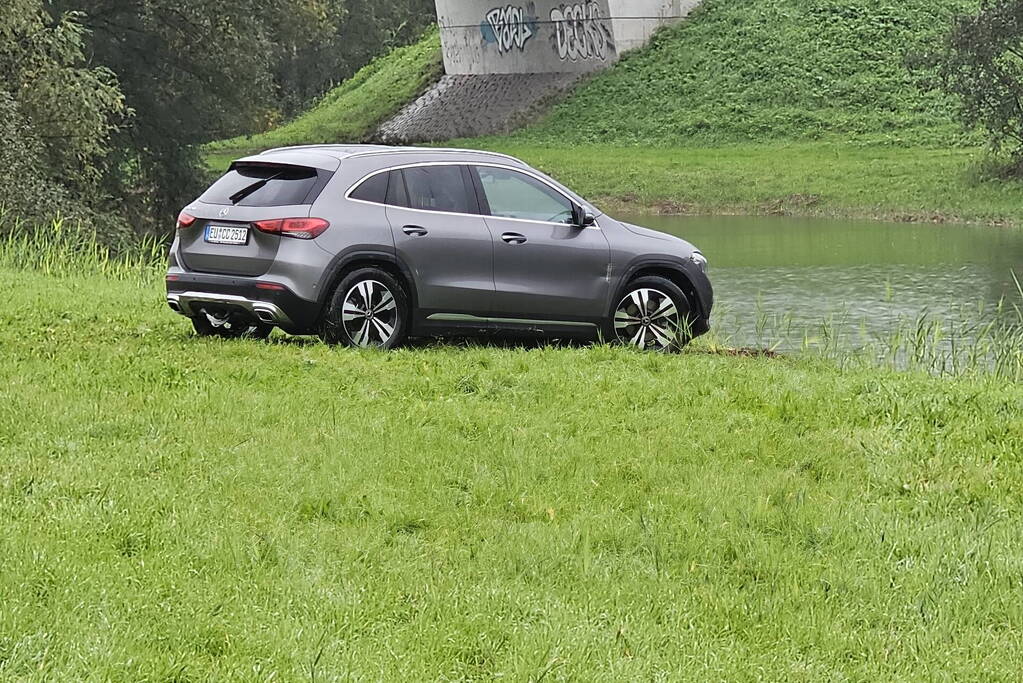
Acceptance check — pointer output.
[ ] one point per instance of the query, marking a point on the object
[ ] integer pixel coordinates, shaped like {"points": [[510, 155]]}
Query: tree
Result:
{"points": [[352, 33], [191, 71], [982, 65], [58, 113]]}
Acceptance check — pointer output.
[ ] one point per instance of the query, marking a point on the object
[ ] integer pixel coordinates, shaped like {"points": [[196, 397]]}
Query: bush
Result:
{"points": [[983, 67]]}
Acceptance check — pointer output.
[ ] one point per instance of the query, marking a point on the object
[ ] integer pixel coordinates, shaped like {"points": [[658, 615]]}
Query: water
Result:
{"points": [[790, 283]]}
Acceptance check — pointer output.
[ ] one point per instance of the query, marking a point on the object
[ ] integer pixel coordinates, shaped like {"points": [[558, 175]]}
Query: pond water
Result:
{"points": [[789, 283]]}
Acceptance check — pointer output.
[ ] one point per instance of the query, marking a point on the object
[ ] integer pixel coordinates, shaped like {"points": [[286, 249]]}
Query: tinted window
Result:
{"points": [[373, 189], [396, 195], [265, 186], [437, 188], [517, 195]]}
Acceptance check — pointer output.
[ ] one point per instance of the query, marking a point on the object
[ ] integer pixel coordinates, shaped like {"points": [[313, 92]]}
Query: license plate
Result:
{"points": [[226, 234]]}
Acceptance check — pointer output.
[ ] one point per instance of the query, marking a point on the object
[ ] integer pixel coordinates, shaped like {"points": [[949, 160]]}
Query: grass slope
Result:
{"points": [[756, 70], [195, 509], [352, 111], [823, 179]]}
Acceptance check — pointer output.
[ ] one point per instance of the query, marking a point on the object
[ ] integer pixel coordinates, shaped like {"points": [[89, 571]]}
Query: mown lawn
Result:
{"points": [[176, 508]]}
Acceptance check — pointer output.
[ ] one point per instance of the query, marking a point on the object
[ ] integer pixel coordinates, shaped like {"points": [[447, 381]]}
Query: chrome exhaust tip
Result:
{"points": [[265, 315], [174, 304]]}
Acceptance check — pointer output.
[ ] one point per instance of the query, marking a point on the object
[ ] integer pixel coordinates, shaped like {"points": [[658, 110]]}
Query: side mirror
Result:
{"points": [[584, 218]]}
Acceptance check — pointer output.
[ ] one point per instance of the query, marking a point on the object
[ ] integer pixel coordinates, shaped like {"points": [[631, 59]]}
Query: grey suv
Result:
{"points": [[366, 246]]}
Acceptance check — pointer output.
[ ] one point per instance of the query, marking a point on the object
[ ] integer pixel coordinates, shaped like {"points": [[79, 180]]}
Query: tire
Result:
{"points": [[346, 321], [653, 314], [230, 327]]}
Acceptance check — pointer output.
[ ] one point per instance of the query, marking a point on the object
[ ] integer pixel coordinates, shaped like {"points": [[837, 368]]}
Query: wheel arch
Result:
{"points": [[667, 270], [350, 262]]}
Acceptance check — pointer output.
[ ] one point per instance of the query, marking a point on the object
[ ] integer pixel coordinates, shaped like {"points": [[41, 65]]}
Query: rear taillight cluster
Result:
{"points": [[299, 228], [185, 220]]}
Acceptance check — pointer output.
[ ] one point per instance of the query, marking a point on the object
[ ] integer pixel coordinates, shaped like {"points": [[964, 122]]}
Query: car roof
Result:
{"points": [[317, 155]]}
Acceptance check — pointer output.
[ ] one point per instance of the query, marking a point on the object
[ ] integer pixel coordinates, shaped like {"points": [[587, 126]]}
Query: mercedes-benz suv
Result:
{"points": [[369, 245]]}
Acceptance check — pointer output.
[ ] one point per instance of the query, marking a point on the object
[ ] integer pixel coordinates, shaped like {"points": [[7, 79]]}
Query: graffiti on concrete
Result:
{"points": [[510, 28], [581, 32]]}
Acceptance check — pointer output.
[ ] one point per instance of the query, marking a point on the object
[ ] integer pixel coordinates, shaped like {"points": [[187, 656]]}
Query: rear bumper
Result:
{"points": [[189, 294], [192, 304]]}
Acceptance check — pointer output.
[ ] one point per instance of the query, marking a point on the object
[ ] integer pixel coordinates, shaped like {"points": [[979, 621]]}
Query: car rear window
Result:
{"points": [[267, 185]]}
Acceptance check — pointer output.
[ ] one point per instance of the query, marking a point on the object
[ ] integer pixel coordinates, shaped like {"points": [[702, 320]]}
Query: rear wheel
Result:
{"points": [[369, 309], [653, 315], [229, 326]]}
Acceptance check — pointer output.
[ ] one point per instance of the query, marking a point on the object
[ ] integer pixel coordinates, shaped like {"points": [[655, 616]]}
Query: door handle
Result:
{"points": [[415, 231], [513, 238]]}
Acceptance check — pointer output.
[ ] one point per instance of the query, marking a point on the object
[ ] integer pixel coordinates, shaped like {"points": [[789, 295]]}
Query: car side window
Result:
{"points": [[437, 188], [511, 194], [373, 189]]}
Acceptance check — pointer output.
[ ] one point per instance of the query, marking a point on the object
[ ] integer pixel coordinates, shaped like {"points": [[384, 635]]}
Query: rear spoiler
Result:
{"points": [[322, 162]]}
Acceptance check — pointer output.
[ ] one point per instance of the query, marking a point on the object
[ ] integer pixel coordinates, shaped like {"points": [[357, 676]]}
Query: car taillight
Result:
{"points": [[299, 228], [185, 220]]}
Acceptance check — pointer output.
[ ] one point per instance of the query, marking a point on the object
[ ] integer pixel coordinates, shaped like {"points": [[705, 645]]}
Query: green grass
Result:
{"points": [[760, 70], [187, 509], [797, 178], [352, 111]]}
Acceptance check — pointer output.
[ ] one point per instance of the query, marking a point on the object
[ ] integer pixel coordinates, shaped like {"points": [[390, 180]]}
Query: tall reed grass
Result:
{"points": [[62, 248], [964, 340]]}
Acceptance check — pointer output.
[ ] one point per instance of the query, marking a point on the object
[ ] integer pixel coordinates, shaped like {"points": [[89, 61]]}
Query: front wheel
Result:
{"points": [[369, 309], [653, 315]]}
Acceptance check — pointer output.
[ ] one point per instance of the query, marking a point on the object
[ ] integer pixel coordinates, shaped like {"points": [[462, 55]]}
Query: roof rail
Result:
{"points": [[432, 150]]}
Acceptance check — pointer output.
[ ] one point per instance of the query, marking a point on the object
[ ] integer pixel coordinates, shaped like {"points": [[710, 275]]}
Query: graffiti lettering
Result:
{"points": [[580, 32], [509, 27]]}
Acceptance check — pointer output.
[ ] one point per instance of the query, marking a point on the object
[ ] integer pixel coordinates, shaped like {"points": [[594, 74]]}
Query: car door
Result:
{"points": [[545, 266], [442, 238]]}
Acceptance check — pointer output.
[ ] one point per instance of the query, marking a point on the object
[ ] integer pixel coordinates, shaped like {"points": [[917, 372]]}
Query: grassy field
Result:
{"points": [[803, 179], [187, 509], [794, 179]]}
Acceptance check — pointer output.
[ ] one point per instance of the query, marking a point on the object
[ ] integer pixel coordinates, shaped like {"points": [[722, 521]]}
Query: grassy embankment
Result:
{"points": [[353, 110], [776, 107], [195, 509]]}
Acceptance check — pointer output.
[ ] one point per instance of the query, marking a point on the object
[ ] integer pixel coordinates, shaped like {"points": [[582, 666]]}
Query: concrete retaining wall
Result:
{"points": [[465, 106]]}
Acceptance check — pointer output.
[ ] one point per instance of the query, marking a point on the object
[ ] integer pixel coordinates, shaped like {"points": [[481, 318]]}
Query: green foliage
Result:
{"points": [[352, 33], [352, 111], [198, 71], [742, 70], [982, 65], [56, 112], [185, 509]]}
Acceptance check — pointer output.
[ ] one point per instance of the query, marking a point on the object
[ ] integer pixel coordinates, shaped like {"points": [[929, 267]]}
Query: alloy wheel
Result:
{"points": [[369, 314], [647, 319]]}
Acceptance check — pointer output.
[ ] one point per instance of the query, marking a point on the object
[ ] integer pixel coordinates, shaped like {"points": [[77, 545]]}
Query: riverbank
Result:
{"points": [[828, 180], [200, 508]]}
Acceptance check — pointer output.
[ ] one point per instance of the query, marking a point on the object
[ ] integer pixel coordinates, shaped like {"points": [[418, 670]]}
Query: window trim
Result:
{"points": [[477, 183], [468, 165]]}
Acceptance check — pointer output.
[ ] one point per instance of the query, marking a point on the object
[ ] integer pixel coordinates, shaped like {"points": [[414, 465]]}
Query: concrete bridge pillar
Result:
{"points": [[547, 36]]}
